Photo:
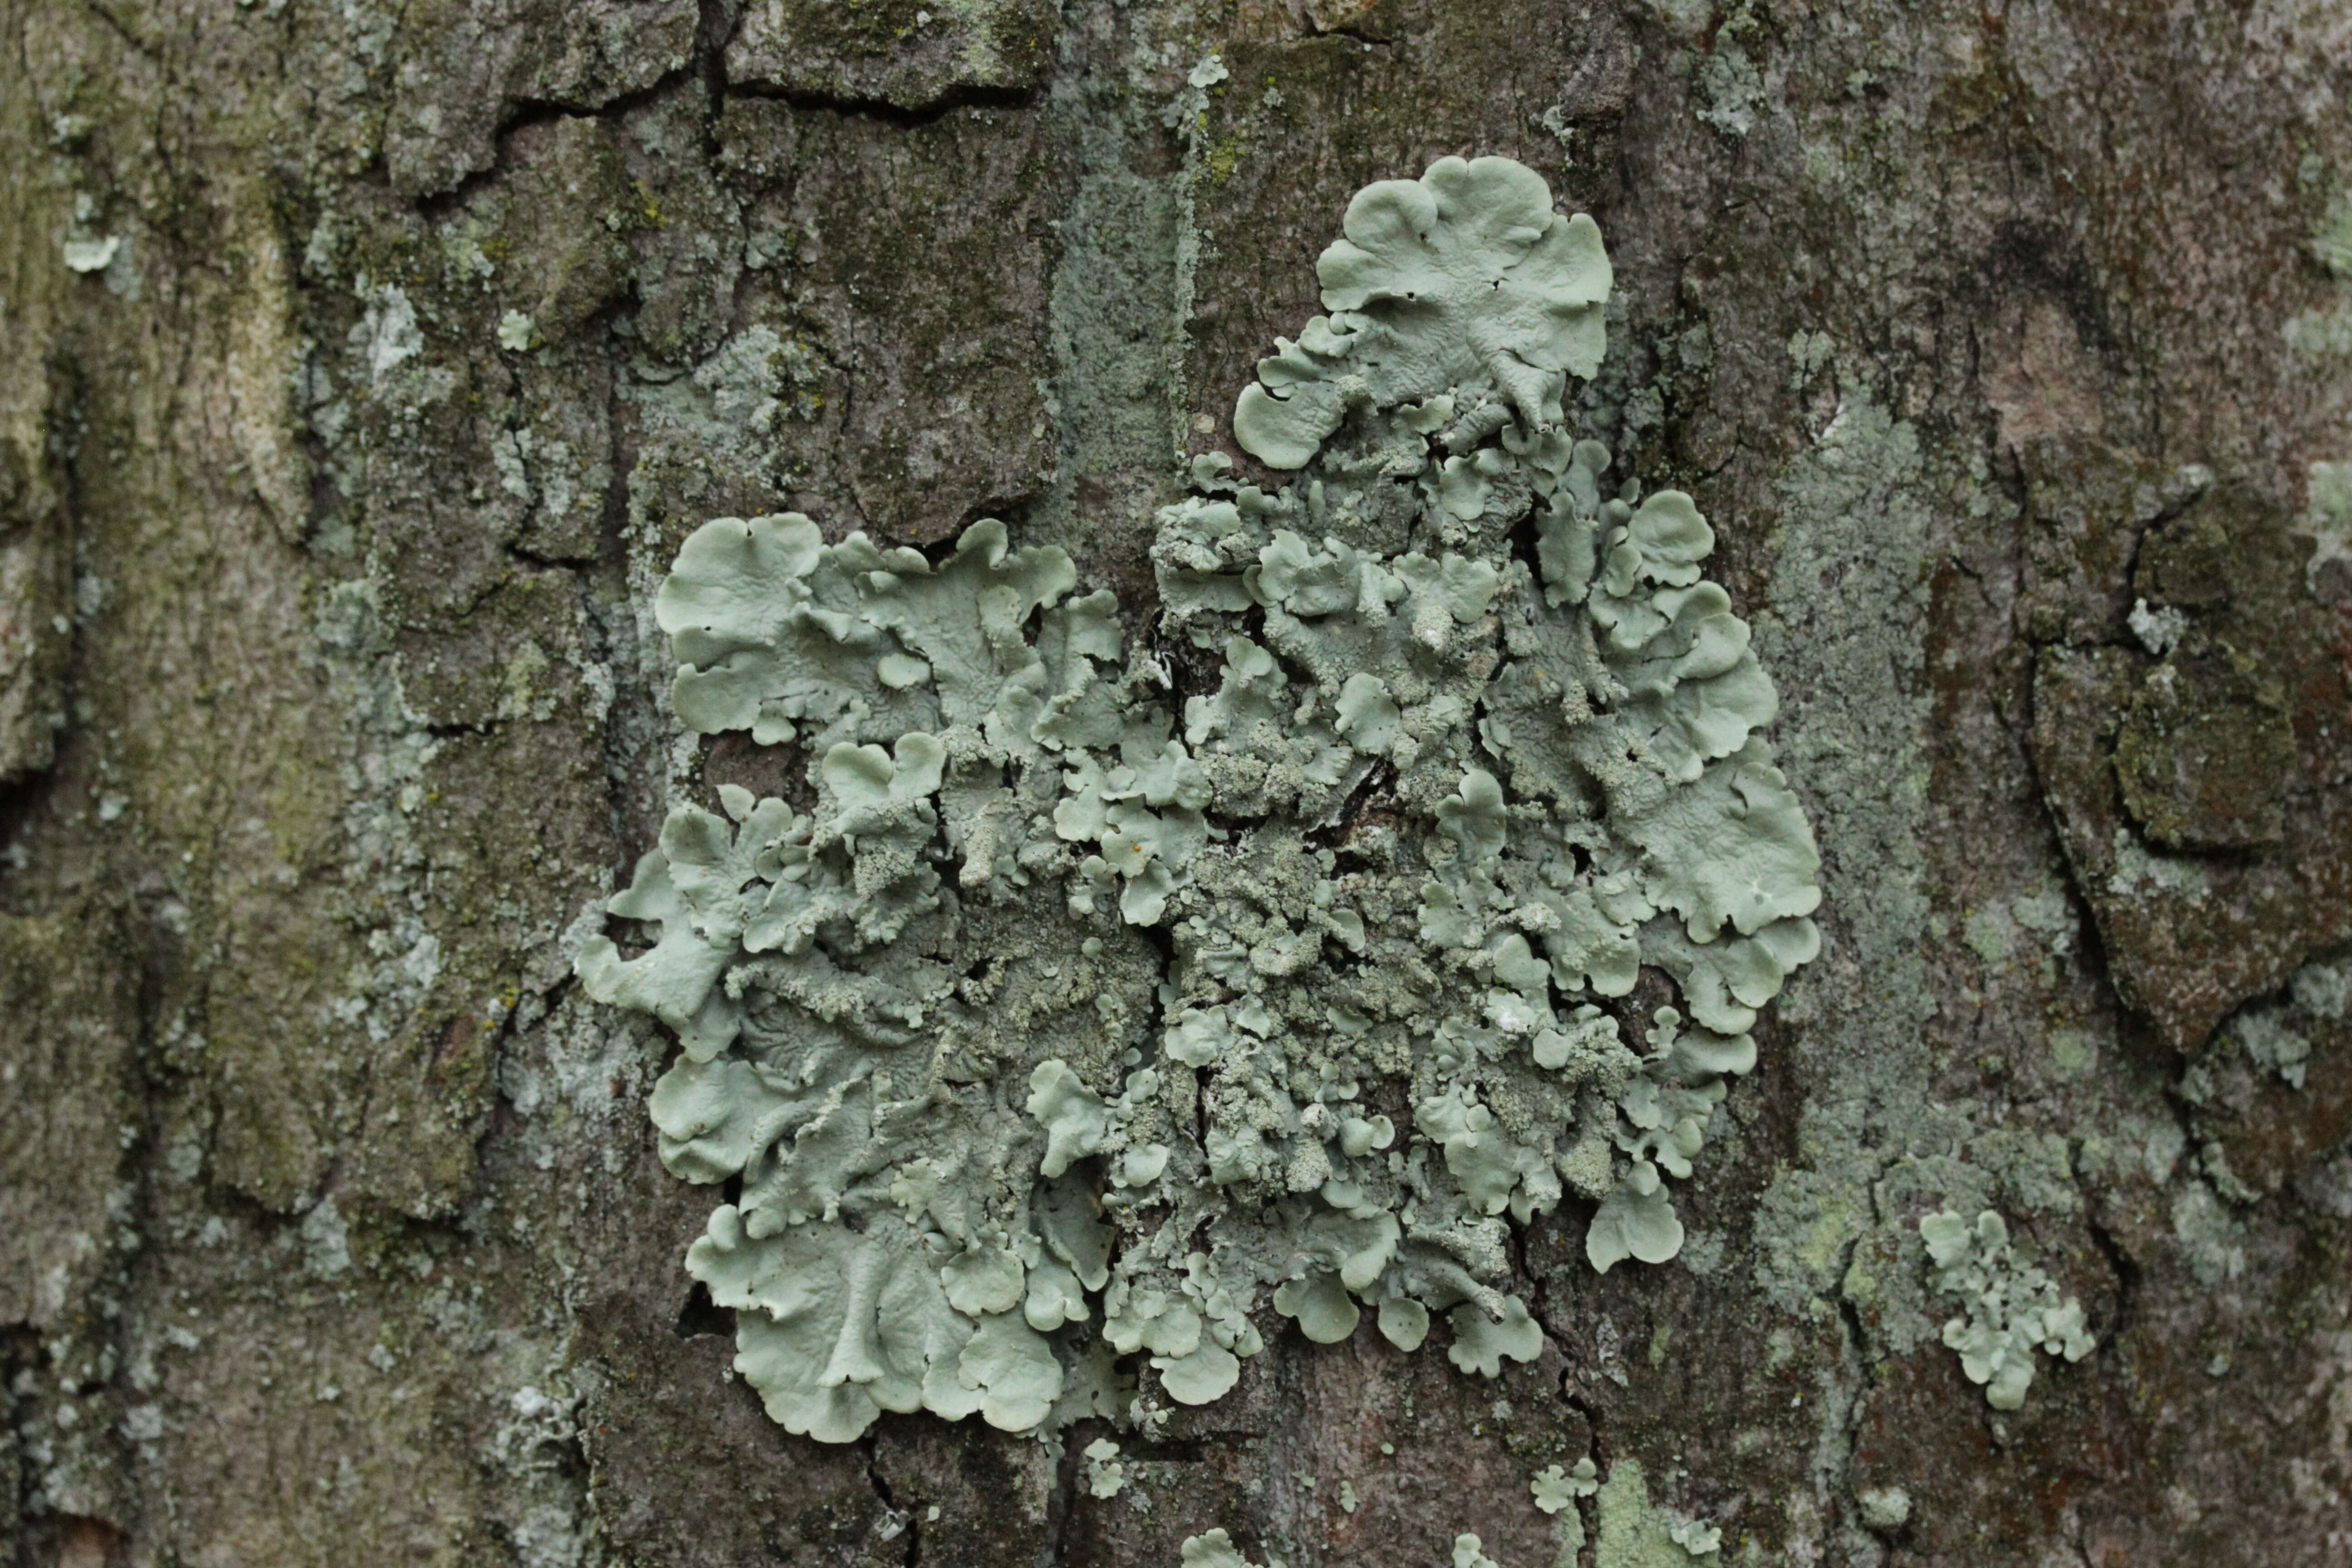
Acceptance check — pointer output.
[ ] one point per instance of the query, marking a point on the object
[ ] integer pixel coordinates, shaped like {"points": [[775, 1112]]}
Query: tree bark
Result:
{"points": [[367, 365]]}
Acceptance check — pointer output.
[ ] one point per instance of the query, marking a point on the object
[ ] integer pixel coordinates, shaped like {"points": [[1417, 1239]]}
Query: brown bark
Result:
{"points": [[328, 703]]}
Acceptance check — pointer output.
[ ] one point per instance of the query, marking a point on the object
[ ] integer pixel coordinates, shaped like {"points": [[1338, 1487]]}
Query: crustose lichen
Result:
{"points": [[1110, 987]]}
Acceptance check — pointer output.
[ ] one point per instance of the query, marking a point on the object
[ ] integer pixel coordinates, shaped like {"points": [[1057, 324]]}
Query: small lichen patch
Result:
{"points": [[1635, 1534], [2010, 1306], [386, 335], [2160, 630], [1105, 1475], [2275, 1037], [91, 255], [2210, 1237], [1101, 989], [1695, 1536], [1216, 1550], [1556, 1489], [1469, 1552], [2328, 524], [1885, 1508], [1732, 87]]}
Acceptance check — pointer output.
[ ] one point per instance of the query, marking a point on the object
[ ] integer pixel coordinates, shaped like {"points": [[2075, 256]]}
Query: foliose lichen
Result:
{"points": [[1105, 1475], [2273, 1036], [1102, 988], [1216, 1550], [2009, 1307], [1470, 1552], [1463, 276], [1556, 1489]]}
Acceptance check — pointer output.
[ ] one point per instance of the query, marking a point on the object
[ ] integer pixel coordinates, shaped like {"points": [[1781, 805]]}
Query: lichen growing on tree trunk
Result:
{"points": [[1355, 937], [369, 366]]}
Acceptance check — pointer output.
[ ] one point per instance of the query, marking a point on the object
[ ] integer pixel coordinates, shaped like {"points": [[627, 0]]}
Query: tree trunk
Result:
{"points": [[369, 365]]}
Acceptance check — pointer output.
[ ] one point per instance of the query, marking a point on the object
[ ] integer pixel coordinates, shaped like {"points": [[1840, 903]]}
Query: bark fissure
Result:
{"points": [[331, 1221]]}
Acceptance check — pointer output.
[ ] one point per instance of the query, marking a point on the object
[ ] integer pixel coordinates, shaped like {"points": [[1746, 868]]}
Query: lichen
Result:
{"points": [[1106, 1477], [2253, 1137], [1849, 589], [2009, 1307], [1100, 988], [1461, 275], [1215, 1548], [91, 255], [1555, 1489], [1885, 1508], [2328, 523], [1731, 86], [1636, 1533], [2211, 1238], [1470, 1552]]}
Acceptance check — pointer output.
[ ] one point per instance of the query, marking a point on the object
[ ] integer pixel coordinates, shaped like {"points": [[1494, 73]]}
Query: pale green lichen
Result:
{"points": [[2323, 989], [1463, 276], [1469, 1552], [1104, 990], [1695, 1536], [1216, 1550], [2274, 1037], [1885, 1508], [2009, 1307], [1556, 1489], [2328, 523], [91, 255], [1851, 586], [2211, 1238], [1636, 1533], [1106, 1477], [2268, 1041], [1731, 86]]}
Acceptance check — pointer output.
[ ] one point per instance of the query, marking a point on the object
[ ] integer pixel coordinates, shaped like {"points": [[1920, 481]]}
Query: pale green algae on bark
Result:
{"points": [[1110, 986]]}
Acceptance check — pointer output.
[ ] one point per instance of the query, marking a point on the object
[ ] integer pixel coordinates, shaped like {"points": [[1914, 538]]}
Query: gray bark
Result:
{"points": [[331, 1225]]}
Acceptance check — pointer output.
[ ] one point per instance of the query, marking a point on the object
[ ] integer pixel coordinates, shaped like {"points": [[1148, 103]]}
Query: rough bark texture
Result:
{"points": [[331, 1229]]}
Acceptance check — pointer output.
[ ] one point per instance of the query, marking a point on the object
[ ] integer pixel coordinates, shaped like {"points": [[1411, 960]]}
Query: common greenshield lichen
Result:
{"points": [[1104, 989], [1555, 1489], [1216, 1550], [1464, 277], [2008, 1306]]}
